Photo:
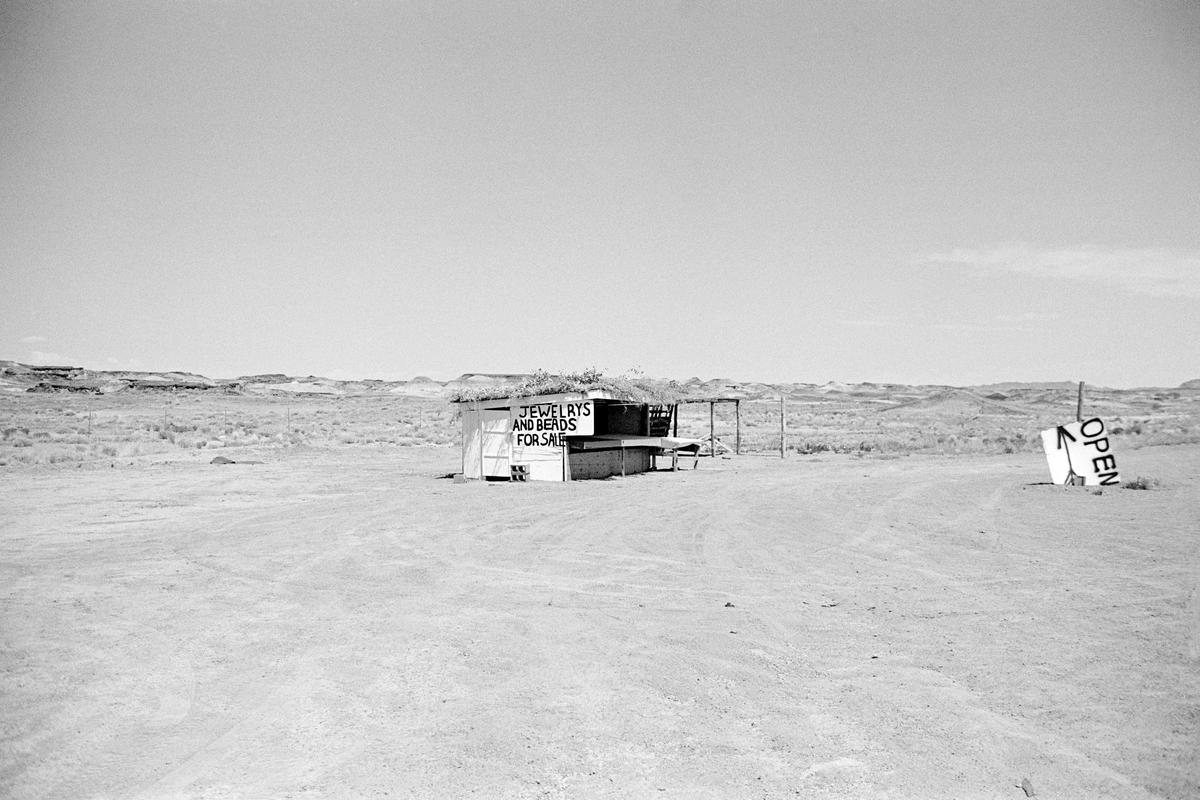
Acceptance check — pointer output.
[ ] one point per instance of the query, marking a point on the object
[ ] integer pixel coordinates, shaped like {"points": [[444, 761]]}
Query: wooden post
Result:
{"points": [[482, 471], [782, 427], [737, 416], [675, 417], [712, 429], [1079, 404], [622, 459]]}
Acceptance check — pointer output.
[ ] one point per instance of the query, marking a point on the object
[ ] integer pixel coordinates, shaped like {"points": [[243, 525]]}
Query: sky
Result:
{"points": [[911, 192]]}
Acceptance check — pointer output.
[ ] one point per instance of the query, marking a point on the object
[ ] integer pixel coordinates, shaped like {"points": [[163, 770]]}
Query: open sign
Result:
{"points": [[1080, 451]]}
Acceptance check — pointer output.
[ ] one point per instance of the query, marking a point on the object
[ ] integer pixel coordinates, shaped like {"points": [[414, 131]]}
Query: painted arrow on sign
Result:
{"points": [[1063, 436], [1080, 452]]}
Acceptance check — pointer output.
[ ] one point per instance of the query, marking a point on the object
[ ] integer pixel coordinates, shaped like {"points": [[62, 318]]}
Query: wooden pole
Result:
{"points": [[782, 427], [482, 471], [712, 429], [1079, 404], [737, 416], [675, 417]]}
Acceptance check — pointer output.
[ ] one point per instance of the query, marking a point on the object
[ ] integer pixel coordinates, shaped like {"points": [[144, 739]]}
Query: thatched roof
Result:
{"points": [[540, 382]]}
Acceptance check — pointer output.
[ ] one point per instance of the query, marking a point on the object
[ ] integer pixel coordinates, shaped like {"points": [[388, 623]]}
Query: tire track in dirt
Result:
{"points": [[447, 670], [214, 541], [878, 542], [264, 706], [152, 678]]}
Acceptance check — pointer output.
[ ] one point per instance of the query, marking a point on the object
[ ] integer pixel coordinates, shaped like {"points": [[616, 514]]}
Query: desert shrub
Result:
{"points": [[1141, 482]]}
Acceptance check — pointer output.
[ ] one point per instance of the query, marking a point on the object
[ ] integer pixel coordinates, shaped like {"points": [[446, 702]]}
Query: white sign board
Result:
{"points": [[1080, 450], [545, 424]]}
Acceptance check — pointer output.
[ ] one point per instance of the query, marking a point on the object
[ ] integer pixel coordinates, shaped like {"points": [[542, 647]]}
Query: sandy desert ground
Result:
{"points": [[347, 622]]}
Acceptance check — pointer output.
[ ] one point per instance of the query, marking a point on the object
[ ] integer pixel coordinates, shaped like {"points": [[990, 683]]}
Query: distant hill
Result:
{"points": [[893, 399], [1009, 386], [955, 403]]}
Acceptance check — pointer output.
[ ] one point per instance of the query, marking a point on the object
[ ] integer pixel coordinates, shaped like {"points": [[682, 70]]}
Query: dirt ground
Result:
{"points": [[346, 623]]}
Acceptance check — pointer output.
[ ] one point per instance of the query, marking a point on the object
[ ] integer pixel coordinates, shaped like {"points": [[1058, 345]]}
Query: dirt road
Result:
{"points": [[345, 623]]}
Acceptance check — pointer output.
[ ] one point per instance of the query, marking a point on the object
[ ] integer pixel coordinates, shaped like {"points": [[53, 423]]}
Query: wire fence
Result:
{"points": [[768, 427], [54, 428]]}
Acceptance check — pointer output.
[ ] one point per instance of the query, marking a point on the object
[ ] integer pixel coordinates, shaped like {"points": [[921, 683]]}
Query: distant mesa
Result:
{"points": [[60, 386], [988, 399], [303, 387], [1009, 387], [273, 377], [952, 402], [55, 370], [492, 377], [162, 384]]}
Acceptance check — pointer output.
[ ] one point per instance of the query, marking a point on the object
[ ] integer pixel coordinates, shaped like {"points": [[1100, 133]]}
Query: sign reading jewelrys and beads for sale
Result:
{"points": [[1080, 451], [545, 424]]}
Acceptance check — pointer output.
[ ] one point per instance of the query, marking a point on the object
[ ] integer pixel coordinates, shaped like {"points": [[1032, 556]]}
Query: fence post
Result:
{"points": [[712, 429], [782, 427], [737, 415]]}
